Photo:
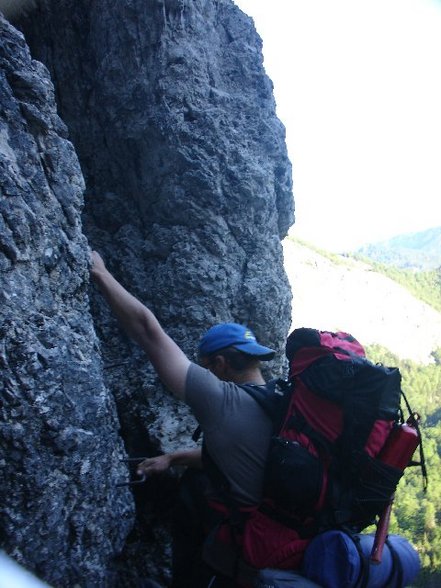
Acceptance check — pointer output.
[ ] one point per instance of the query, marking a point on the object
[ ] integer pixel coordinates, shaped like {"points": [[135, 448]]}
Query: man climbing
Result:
{"points": [[236, 429]]}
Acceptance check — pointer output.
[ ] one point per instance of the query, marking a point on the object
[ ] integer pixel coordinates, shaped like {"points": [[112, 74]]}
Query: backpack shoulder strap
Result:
{"points": [[273, 398]]}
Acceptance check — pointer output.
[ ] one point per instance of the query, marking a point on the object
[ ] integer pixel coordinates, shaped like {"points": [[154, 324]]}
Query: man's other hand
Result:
{"points": [[154, 465]]}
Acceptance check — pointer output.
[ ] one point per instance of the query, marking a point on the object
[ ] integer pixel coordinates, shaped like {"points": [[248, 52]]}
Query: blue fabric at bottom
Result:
{"points": [[333, 561]]}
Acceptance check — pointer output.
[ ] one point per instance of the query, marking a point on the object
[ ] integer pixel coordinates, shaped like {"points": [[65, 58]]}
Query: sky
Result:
{"points": [[358, 87]]}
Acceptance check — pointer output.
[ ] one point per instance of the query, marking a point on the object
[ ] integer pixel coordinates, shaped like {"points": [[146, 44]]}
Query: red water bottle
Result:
{"points": [[401, 444], [397, 452]]}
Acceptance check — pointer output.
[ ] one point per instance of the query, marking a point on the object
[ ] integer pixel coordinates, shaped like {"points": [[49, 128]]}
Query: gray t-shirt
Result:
{"points": [[236, 430]]}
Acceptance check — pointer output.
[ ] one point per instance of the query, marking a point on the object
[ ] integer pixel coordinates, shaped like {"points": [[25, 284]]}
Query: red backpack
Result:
{"points": [[339, 449]]}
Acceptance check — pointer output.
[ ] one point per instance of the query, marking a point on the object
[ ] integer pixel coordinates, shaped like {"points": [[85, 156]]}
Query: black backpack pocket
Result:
{"points": [[293, 477], [376, 486]]}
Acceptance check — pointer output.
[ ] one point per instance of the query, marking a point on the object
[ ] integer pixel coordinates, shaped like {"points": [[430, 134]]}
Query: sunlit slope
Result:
{"points": [[333, 292]]}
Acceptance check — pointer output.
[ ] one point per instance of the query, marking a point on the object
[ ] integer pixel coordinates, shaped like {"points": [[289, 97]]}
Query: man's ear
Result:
{"points": [[219, 362], [220, 367]]}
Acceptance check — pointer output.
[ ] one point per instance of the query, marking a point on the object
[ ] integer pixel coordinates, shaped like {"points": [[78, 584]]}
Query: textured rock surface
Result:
{"points": [[188, 181], [188, 193], [60, 512], [13, 8]]}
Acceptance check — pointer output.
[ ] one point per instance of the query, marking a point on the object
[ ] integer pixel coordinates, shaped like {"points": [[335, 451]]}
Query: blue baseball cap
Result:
{"points": [[233, 335]]}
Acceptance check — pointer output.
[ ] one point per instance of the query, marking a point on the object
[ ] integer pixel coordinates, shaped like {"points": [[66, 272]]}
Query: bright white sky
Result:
{"points": [[358, 87]]}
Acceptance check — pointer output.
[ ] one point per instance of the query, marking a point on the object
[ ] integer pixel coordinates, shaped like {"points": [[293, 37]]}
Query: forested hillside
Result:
{"points": [[397, 309], [418, 251], [425, 285], [417, 514]]}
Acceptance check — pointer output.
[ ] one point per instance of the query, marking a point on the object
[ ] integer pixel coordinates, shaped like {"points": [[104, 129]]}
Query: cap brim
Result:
{"points": [[256, 350]]}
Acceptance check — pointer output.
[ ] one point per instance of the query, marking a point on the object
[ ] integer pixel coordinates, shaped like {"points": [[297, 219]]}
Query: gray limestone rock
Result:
{"points": [[188, 194], [61, 514], [188, 183]]}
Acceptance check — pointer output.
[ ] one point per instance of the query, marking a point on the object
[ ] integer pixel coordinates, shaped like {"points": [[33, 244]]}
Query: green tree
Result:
{"points": [[417, 513]]}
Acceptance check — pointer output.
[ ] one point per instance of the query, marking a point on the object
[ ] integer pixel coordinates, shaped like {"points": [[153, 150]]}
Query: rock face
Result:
{"points": [[188, 182], [187, 197], [61, 514]]}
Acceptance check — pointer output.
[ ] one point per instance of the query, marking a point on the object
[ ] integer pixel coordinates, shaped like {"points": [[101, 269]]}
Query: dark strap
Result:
{"points": [[415, 423], [300, 424], [363, 578], [273, 398], [396, 578]]}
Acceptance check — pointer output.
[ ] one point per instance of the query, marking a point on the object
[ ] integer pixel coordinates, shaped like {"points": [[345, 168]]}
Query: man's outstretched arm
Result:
{"points": [[169, 361]]}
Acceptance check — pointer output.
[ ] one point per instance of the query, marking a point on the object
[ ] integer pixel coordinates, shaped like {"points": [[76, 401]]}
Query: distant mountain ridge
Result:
{"points": [[336, 292], [418, 251]]}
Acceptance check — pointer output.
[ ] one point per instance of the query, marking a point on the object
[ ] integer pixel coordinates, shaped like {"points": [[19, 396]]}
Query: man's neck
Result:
{"points": [[253, 376]]}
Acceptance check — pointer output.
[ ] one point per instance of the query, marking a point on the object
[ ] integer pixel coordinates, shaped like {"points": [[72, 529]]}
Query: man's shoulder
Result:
{"points": [[273, 397], [198, 375], [205, 391], [201, 382]]}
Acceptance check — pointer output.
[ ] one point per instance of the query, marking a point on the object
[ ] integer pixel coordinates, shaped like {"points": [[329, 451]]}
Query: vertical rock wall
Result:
{"points": [[188, 181], [60, 512], [188, 194]]}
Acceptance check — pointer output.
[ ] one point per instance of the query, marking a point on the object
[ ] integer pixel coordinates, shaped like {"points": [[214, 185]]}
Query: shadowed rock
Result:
{"points": [[60, 514]]}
